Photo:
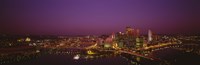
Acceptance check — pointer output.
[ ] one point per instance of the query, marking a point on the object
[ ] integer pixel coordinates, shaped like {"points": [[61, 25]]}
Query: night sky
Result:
{"points": [[95, 17]]}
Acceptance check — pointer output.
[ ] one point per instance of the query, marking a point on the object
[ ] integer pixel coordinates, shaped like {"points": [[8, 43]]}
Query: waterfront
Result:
{"points": [[89, 50], [169, 56], [99, 32], [67, 59]]}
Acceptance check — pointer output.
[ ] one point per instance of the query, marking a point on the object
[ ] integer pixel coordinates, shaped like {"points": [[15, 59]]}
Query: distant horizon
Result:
{"points": [[96, 17], [87, 35]]}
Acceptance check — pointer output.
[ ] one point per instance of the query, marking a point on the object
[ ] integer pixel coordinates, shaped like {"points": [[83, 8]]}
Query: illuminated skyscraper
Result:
{"points": [[150, 36], [113, 35], [129, 31], [139, 43], [129, 40]]}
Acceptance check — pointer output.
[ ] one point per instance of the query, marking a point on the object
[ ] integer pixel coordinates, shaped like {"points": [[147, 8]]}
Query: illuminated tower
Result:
{"points": [[113, 35], [129, 40], [150, 36]]}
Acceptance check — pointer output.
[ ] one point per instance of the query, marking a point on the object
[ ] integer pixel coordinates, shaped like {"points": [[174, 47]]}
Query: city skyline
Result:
{"points": [[88, 17], [99, 32]]}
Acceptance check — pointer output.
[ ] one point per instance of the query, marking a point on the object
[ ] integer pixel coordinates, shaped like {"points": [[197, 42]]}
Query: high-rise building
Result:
{"points": [[113, 35], [120, 44], [129, 31], [150, 36], [119, 39], [129, 40], [137, 43]]}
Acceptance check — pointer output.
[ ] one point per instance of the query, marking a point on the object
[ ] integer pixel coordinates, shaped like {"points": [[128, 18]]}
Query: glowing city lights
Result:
{"points": [[76, 57]]}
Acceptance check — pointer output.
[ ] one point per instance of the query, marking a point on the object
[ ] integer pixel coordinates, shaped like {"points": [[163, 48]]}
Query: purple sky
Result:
{"points": [[82, 17]]}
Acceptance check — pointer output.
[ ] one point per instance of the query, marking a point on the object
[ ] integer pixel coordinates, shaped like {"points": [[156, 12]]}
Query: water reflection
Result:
{"points": [[76, 57], [81, 57]]}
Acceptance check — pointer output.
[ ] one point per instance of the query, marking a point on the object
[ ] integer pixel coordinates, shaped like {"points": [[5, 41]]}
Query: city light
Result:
{"points": [[99, 32], [76, 57]]}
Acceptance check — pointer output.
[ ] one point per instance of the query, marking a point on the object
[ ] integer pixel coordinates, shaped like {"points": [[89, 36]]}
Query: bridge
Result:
{"points": [[92, 46], [131, 52], [139, 55], [121, 51]]}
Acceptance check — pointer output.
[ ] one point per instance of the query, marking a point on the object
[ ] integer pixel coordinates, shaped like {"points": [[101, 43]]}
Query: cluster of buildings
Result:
{"points": [[131, 38]]}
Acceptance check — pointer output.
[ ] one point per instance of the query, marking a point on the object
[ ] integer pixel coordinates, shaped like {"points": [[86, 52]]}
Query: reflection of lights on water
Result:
{"points": [[138, 58], [37, 51], [86, 57], [90, 52], [76, 57], [89, 57]]}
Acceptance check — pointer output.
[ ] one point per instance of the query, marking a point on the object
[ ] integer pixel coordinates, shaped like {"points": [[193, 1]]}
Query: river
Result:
{"points": [[169, 56]]}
